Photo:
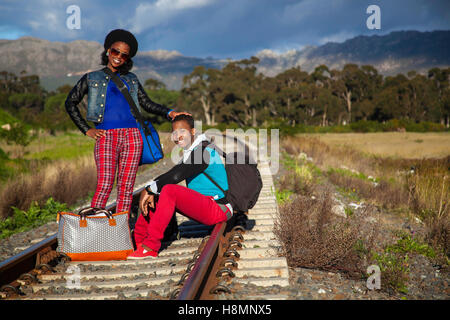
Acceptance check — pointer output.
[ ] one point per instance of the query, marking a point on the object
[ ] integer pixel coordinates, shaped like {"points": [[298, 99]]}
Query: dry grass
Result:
{"points": [[402, 145], [313, 237], [64, 181], [419, 185], [385, 194]]}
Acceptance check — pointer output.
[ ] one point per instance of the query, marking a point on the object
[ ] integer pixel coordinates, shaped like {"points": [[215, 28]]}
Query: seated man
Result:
{"points": [[202, 200]]}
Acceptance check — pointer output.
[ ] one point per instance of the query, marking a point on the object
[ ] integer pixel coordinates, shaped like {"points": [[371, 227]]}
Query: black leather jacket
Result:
{"points": [[81, 89]]}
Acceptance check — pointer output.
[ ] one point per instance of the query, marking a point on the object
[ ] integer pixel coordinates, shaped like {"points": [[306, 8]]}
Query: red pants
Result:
{"points": [[189, 202], [121, 149]]}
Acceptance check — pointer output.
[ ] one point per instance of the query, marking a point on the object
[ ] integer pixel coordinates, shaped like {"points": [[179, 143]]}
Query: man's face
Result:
{"points": [[182, 134]]}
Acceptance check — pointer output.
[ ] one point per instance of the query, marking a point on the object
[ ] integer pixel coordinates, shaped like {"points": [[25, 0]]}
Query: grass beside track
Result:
{"points": [[407, 145]]}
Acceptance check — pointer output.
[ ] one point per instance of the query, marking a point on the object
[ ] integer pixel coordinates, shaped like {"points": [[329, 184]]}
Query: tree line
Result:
{"points": [[238, 96], [324, 97], [24, 102]]}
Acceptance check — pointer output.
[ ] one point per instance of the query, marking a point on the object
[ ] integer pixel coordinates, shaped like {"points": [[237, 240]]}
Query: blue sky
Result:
{"points": [[220, 28]]}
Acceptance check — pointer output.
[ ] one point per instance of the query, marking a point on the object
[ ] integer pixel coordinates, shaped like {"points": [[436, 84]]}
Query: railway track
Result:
{"points": [[198, 263]]}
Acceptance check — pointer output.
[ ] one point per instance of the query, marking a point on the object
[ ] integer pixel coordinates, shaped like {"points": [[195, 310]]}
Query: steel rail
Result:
{"points": [[193, 287]]}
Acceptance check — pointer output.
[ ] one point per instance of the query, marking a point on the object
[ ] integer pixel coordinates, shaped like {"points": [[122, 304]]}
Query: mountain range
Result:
{"points": [[397, 52]]}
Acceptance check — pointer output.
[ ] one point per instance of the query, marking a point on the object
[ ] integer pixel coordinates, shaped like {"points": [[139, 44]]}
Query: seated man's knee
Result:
{"points": [[168, 189]]}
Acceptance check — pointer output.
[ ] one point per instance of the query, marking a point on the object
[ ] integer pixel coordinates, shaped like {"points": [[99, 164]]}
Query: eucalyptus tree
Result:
{"points": [[197, 95], [441, 85], [292, 89], [242, 86]]}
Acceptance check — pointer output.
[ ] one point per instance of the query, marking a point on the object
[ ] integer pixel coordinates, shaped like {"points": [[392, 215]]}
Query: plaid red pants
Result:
{"points": [[119, 150]]}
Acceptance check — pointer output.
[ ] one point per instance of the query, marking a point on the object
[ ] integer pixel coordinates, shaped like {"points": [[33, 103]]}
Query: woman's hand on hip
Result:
{"points": [[96, 133]]}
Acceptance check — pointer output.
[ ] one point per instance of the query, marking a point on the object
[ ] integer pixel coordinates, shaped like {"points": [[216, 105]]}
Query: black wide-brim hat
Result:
{"points": [[124, 36]]}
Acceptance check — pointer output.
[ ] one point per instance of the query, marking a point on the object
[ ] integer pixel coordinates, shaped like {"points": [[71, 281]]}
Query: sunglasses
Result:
{"points": [[179, 132], [117, 53]]}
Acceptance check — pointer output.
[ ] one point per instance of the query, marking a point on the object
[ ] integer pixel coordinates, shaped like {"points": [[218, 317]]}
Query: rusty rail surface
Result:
{"points": [[25, 261], [197, 280]]}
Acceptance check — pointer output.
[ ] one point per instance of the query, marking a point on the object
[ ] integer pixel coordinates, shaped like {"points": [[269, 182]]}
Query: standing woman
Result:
{"points": [[118, 143]]}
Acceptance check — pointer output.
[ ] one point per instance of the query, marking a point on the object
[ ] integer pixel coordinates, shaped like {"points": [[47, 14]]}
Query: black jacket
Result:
{"points": [[81, 89]]}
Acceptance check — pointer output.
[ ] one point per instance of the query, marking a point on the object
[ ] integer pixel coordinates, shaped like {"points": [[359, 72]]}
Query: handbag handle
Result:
{"points": [[111, 220], [89, 211]]}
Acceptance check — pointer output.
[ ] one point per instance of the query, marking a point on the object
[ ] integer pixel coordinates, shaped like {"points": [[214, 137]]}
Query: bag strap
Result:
{"points": [[212, 145], [215, 147], [215, 183], [123, 88]]}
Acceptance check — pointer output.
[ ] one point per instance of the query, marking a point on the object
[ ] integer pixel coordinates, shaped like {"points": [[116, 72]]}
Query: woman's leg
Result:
{"points": [[129, 157], [106, 155], [191, 203]]}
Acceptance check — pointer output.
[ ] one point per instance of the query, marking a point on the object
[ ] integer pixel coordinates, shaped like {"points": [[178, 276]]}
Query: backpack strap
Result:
{"points": [[215, 147], [215, 183]]}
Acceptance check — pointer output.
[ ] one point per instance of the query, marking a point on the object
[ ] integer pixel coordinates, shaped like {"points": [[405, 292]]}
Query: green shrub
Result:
{"points": [[394, 269], [35, 216], [408, 244]]}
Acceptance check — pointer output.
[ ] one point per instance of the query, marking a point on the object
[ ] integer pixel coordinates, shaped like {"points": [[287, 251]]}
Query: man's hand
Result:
{"points": [[146, 200], [173, 114], [96, 133]]}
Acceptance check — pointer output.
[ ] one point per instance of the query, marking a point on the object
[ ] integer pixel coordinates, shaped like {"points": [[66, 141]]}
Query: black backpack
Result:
{"points": [[244, 179]]}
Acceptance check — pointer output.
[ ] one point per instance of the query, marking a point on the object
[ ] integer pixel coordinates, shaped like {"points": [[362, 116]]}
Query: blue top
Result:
{"points": [[117, 110]]}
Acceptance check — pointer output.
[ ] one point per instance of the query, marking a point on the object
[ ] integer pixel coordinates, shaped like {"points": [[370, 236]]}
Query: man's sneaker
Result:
{"points": [[142, 253]]}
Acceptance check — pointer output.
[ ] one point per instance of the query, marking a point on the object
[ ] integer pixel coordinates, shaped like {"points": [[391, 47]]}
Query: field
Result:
{"points": [[407, 145], [348, 201], [69, 145]]}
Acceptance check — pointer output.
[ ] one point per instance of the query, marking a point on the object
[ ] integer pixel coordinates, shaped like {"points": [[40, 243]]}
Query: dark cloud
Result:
{"points": [[232, 28]]}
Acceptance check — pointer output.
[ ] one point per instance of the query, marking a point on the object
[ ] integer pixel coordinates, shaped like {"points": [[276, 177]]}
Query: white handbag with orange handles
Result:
{"points": [[94, 234]]}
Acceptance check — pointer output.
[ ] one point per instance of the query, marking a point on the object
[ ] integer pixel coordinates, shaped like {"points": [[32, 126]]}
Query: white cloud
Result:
{"points": [[149, 15], [336, 37]]}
